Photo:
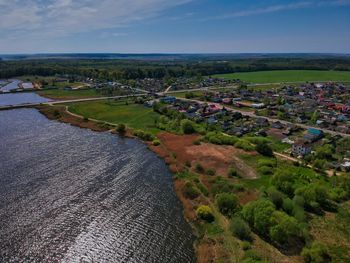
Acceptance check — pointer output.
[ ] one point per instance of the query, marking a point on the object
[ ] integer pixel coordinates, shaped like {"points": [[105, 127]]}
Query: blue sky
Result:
{"points": [[174, 26]]}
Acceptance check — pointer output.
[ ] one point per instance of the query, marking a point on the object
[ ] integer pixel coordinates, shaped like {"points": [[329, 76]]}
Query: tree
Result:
{"points": [[187, 126], [204, 212], [275, 196], [264, 149], [317, 253], [285, 228], [189, 191], [240, 228], [258, 215], [227, 203], [121, 128], [284, 180]]}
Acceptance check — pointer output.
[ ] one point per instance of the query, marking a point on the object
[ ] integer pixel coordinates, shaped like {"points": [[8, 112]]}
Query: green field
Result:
{"points": [[133, 115], [69, 94], [280, 76]]}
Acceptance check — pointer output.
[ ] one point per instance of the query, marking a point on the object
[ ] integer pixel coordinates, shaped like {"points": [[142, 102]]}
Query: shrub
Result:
{"points": [[265, 170], [145, 136], [232, 172], [258, 215], [288, 206], [221, 186], [246, 245], [205, 213], [245, 145], [251, 256], [196, 142], [285, 228], [56, 113], [227, 203], [121, 128], [189, 191], [240, 228], [188, 163], [211, 171], [187, 126], [268, 163], [156, 142], [275, 196], [199, 168], [317, 253], [264, 149]]}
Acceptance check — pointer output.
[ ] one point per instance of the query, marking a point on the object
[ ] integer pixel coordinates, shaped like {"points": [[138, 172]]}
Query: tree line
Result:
{"points": [[115, 69]]}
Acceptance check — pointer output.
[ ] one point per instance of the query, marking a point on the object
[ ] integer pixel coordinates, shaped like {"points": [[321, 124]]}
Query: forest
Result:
{"points": [[164, 67]]}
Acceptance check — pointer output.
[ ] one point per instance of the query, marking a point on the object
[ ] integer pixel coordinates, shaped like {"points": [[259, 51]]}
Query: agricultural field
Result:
{"points": [[135, 116], [283, 76], [60, 94]]}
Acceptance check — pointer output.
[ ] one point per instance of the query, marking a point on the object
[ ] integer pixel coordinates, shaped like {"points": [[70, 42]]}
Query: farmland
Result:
{"points": [[133, 115], [282, 76], [69, 94]]}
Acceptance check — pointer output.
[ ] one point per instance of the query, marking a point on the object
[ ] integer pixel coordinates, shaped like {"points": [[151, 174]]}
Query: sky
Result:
{"points": [[174, 26]]}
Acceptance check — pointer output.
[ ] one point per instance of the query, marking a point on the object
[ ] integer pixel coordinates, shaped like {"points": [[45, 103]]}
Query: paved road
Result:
{"points": [[253, 115]]}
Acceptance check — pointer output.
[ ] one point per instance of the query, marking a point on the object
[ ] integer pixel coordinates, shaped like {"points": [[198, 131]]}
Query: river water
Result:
{"points": [[72, 195], [21, 98]]}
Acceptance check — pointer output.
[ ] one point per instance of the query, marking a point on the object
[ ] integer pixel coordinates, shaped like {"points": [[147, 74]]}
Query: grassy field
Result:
{"points": [[69, 94], [279, 76], [133, 115]]}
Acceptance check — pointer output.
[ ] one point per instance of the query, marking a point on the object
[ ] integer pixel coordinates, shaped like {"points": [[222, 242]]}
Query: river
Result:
{"points": [[72, 195]]}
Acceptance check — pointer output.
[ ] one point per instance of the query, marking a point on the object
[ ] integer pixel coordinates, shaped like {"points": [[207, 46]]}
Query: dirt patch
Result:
{"points": [[248, 196], [218, 157]]}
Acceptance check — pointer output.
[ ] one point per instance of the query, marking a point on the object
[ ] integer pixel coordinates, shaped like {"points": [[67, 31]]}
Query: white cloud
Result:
{"points": [[42, 18], [282, 7]]}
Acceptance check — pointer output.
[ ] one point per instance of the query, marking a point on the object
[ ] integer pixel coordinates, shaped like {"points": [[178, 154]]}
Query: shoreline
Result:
{"points": [[67, 117]]}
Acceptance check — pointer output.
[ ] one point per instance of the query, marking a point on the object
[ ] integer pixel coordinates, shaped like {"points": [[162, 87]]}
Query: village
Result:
{"points": [[298, 119]]}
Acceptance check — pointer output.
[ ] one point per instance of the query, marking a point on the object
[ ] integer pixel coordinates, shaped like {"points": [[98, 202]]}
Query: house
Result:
{"points": [[313, 135], [301, 148], [346, 165], [168, 99], [262, 122], [258, 105], [277, 125]]}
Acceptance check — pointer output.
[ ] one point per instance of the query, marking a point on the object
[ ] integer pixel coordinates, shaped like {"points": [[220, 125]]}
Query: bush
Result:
{"points": [[265, 170], [211, 171], [222, 185], [246, 245], [264, 149], [285, 228], [288, 206], [196, 142], [121, 128], [275, 196], [199, 168], [240, 228], [188, 163], [317, 253], [205, 213], [145, 136], [258, 215], [232, 172], [251, 256], [187, 126], [227, 203], [156, 142], [245, 145], [189, 191]]}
